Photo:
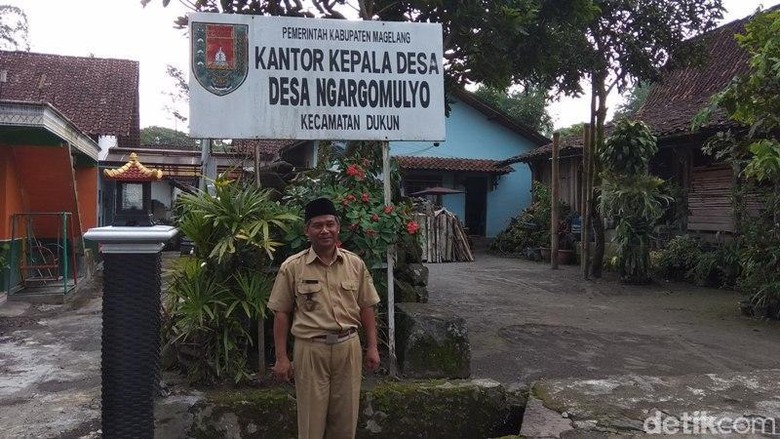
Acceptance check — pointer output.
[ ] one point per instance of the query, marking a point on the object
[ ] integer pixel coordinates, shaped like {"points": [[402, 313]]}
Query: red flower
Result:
{"points": [[389, 209], [375, 218], [356, 171], [353, 226], [349, 198], [412, 227], [353, 170], [371, 233], [365, 197]]}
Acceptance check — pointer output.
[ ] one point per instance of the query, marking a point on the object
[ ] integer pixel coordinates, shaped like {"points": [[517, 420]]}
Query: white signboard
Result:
{"points": [[297, 78]]}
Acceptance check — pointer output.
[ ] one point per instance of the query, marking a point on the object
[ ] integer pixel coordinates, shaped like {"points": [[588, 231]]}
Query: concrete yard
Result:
{"points": [[527, 321], [609, 360]]}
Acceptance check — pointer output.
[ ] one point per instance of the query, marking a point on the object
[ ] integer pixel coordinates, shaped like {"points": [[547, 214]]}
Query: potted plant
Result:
{"points": [[566, 243]]}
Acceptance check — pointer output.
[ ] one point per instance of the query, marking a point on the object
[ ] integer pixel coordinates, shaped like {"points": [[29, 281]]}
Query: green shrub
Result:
{"points": [[631, 197], [353, 182], [680, 256], [531, 228], [719, 268], [216, 298], [760, 262]]}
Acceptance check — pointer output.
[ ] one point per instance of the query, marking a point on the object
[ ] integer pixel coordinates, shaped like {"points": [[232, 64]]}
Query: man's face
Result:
{"points": [[323, 231]]}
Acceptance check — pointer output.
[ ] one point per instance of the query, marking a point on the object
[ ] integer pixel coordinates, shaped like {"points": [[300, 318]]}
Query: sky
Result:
{"points": [[126, 30]]}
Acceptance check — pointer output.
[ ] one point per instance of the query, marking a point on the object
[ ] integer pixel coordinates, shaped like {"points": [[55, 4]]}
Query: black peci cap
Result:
{"points": [[320, 206]]}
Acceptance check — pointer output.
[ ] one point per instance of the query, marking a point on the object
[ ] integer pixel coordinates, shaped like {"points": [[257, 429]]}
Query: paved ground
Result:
{"points": [[527, 322], [50, 368]]}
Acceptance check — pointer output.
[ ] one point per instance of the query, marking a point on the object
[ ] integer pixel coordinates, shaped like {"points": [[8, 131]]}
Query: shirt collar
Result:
{"points": [[311, 256]]}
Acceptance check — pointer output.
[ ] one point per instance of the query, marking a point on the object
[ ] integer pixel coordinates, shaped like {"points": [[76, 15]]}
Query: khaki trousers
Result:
{"points": [[327, 388]]}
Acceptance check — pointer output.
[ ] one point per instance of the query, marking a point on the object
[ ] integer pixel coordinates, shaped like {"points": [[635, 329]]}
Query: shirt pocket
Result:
{"points": [[349, 287], [307, 296]]}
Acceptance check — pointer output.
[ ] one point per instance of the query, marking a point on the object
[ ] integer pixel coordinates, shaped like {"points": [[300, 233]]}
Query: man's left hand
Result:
{"points": [[371, 359]]}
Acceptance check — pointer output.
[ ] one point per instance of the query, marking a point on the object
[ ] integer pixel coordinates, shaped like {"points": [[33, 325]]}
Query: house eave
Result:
{"points": [[44, 119]]}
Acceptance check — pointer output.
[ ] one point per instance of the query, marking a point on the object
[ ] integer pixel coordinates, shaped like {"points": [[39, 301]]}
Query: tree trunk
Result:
{"points": [[598, 115]]}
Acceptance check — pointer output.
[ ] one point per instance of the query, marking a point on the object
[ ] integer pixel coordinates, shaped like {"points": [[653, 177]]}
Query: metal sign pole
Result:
{"points": [[390, 261]]}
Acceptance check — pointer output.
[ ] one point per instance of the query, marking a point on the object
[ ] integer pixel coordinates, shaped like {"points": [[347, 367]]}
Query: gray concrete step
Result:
{"points": [[743, 404]]}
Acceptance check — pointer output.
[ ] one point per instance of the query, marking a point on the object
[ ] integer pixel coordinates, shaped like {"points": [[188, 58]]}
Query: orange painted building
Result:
{"points": [[53, 112]]}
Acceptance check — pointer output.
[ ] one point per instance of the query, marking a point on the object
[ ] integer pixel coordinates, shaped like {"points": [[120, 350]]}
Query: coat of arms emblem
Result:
{"points": [[219, 56]]}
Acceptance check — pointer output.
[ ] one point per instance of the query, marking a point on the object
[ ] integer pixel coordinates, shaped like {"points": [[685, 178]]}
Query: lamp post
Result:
{"points": [[130, 353]]}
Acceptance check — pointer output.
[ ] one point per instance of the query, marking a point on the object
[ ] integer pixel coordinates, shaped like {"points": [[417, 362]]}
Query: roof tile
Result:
{"points": [[452, 164], [99, 95], [684, 91]]}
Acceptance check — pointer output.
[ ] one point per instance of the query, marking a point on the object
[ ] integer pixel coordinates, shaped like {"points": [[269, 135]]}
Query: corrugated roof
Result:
{"points": [[99, 95], [452, 164]]}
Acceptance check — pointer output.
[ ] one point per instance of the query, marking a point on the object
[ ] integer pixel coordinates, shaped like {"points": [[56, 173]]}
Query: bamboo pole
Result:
{"points": [[554, 215]]}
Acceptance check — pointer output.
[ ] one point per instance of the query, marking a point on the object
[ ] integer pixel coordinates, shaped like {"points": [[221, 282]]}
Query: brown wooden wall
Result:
{"points": [[709, 199], [570, 178]]}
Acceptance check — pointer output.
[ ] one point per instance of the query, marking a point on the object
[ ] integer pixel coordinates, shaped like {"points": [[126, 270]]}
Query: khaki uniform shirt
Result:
{"points": [[323, 299]]}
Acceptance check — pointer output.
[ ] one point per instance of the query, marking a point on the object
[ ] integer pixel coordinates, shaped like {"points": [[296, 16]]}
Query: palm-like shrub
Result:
{"points": [[215, 297], [631, 196]]}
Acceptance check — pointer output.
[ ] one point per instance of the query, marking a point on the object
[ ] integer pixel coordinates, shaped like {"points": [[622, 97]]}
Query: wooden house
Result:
{"points": [[669, 110]]}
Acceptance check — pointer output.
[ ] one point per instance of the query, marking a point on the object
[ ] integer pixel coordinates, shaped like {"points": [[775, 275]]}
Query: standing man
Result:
{"points": [[327, 293]]}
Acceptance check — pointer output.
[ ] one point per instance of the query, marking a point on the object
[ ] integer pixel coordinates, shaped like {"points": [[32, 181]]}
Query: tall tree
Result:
{"points": [[14, 29], [493, 42], [628, 42], [162, 136], [180, 94], [529, 106], [633, 101]]}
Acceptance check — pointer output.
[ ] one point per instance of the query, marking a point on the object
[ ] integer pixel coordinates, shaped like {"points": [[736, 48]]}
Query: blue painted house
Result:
{"points": [[479, 137]]}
